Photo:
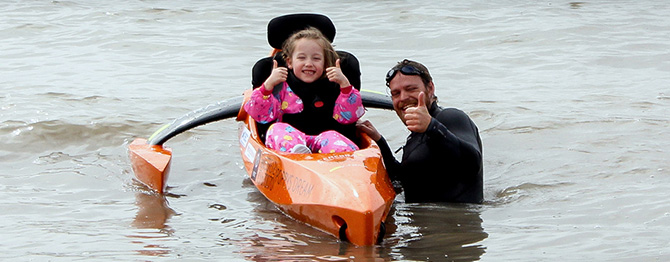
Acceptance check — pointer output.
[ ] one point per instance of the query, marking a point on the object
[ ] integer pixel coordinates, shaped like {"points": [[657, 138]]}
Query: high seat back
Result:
{"points": [[282, 27]]}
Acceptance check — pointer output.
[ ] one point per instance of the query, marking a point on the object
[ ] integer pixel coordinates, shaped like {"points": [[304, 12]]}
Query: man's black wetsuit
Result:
{"points": [[443, 164]]}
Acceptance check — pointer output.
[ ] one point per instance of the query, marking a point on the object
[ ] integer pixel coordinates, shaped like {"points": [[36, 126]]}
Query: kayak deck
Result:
{"points": [[345, 194]]}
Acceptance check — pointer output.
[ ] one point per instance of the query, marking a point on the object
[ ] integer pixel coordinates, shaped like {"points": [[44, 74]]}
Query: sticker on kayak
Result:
{"points": [[250, 152], [256, 161], [244, 137]]}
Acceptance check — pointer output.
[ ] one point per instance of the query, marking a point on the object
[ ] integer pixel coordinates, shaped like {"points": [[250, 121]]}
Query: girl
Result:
{"points": [[312, 100]]}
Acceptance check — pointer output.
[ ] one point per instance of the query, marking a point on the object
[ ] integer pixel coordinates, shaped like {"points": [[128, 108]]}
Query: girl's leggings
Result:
{"points": [[283, 137]]}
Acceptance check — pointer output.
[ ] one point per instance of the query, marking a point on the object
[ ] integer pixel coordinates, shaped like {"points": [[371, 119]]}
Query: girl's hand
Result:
{"points": [[278, 75], [335, 75]]}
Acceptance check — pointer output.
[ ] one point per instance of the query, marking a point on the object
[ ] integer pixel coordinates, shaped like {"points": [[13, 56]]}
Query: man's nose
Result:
{"points": [[404, 96]]}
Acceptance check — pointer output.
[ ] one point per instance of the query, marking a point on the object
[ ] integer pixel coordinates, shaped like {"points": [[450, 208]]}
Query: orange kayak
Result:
{"points": [[347, 194]]}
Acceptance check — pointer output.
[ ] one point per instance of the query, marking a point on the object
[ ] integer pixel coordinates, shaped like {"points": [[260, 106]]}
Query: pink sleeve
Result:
{"points": [[262, 107], [348, 106]]}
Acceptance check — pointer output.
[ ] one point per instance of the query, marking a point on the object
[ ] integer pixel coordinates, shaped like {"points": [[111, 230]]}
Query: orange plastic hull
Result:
{"points": [[325, 191], [151, 163]]}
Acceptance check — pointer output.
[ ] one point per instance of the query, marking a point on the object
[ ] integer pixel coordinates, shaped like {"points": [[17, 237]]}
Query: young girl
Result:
{"points": [[311, 100]]}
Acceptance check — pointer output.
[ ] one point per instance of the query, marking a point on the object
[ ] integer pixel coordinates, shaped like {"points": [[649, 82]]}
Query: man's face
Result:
{"points": [[405, 91]]}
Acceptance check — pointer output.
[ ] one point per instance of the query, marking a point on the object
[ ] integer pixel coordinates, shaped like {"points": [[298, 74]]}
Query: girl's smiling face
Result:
{"points": [[307, 60]]}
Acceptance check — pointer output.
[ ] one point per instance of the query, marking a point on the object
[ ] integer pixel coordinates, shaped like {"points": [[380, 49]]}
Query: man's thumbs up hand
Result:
{"points": [[417, 118]]}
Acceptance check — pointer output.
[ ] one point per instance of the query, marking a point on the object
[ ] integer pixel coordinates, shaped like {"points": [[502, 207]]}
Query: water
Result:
{"points": [[571, 100]]}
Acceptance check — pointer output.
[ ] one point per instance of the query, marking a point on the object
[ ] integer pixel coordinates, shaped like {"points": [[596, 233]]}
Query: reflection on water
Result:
{"points": [[274, 236], [153, 211], [414, 232], [435, 232]]}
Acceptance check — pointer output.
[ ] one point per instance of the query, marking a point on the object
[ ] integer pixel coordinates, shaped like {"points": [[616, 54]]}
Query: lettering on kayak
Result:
{"points": [[271, 173], [341, 157], [261, 173], [298, 185], [275, 176]]}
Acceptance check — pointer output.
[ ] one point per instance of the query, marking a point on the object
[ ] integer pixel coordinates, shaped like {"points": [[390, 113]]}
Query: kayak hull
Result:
{"points": [[345, 194], [150, 163]]}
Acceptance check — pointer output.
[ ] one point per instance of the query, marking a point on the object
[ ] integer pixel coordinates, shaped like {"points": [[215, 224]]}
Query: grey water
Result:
{"points": [[571, 99]]}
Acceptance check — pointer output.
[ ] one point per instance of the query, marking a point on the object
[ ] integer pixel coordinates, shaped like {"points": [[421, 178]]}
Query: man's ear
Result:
{"points": [[430, 88]]}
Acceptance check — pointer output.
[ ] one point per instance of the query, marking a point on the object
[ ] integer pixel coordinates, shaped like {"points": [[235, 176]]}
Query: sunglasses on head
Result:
{"points": [[405, 70]]}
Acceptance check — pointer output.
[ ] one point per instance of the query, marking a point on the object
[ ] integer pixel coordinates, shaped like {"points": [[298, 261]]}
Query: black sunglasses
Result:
{"points": [[405, 70]]}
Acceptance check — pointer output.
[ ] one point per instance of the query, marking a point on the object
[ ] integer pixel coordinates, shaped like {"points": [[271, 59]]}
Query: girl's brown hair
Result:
{"points": [[330, 56]]}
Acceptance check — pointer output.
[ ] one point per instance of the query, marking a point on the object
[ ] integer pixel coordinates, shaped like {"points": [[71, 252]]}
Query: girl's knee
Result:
{"points": [[333, 142], [283, 137]]}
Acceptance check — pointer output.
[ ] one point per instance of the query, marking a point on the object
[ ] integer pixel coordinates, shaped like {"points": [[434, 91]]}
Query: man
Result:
{"points": [[442, 158]]}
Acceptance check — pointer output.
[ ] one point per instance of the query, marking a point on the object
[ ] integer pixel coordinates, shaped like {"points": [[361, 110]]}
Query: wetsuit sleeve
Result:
{"points": [[263, 106], [348, 106], [392, 165], [454, 133]]}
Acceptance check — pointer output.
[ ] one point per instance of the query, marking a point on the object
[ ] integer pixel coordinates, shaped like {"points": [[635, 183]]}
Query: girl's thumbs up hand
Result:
{"points": [[335, 75], [278, 75]]}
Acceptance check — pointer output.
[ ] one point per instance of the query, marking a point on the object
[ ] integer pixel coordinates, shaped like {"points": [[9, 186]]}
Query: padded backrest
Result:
{"points": [[282, 27]]}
